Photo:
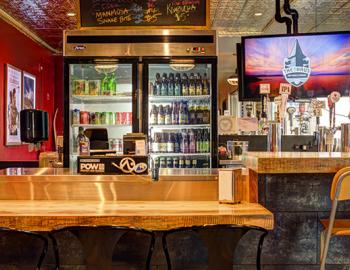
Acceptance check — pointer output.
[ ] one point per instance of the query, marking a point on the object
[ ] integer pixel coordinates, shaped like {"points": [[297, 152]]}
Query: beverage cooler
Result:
{"points": [[181, 119], [158, 82]]}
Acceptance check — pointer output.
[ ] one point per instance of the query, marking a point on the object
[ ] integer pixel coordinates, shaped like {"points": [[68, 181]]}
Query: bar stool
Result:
{"points": [[99, 242], [25, 249], [340, 191], [220, 241]]}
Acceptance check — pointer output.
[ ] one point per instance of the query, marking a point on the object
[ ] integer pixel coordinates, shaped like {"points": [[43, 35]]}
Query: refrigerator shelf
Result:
{"points": [[180, 126], [180, 154], [156, 99], [98, 99], [91, 125]]}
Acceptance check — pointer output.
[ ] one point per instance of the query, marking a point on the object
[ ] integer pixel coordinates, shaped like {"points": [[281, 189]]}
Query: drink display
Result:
{"points": [[179, 113]]}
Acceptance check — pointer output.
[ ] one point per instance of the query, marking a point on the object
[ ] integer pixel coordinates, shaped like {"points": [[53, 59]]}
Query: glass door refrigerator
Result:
{"points": [[180, 110], [100, 100]]}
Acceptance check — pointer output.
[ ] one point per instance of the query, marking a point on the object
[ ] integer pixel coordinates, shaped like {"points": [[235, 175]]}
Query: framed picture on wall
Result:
{"points": [[29, 91], [13, 99]]}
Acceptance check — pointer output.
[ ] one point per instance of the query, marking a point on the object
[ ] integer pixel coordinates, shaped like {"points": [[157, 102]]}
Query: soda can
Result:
{"points": [[93, 118], [79, 87], [98, 118], [76, 117], [169, 162], [94, 87], [103, 118], [110, 118], [118, 118], [84, 118], [124, 117]]}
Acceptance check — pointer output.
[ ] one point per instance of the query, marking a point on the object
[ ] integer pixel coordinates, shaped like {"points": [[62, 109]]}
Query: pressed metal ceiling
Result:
{"points": [[47, 18]]}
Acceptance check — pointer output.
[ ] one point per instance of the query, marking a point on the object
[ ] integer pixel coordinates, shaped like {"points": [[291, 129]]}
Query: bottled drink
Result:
{"points": [[177, 89], [192, 142], [192, 87], [168, 115], [199, 113], [156, 143], [83, 143], [170, 143], [163, 143], [206, 85], [161, 115], [192, 114], [177, 148], [185, 85], [171, 85], [182, 114], [169, 162], [184, 143], [206, 114], [188, 162], [154, 115], [198, 141], [157, 85], [182, 162], [104, 85], [162, 162], [175, 162], [164, 88], [194, 163], [174, 114], [205, 142], [112, 84], [156, 162], [199, 85]]}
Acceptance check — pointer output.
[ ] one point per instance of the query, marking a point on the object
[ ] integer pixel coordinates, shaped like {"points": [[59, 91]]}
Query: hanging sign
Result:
{"points": [[136, 13]]}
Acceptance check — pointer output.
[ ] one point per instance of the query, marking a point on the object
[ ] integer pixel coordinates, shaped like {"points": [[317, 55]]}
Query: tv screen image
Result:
{"points": [[314, 64]]}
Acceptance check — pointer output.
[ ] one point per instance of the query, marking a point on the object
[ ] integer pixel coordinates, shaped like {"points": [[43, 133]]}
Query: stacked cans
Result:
{"points": [[101, 118]]}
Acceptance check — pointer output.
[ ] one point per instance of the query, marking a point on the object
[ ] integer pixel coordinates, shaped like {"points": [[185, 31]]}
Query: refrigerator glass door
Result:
{"points": [[179, 112], [100, 97]]}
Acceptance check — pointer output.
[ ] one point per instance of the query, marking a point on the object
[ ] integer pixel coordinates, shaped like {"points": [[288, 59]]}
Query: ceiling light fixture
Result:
{"points": [[258, 14], [71, 14]]}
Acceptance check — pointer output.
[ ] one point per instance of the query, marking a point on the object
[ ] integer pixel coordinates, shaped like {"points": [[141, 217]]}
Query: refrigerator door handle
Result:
{"points": [[139, 107]]}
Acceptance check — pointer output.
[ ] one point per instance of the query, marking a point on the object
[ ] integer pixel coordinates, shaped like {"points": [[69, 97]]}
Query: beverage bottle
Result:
{"points": [[105, 85], [83, 143], [164, 88], [161, 115], [199, 113], [185, 85], [182, 162], [174, 119], [192, 143], [156, 162], [169, 162], [155, 143], [205, 143], [199, 85], [177, 143], [182, 114], [194, 163], [157, 85], [162, 162], [184, 143], [177, 89], [164, 142], [192, 87], [171, 85], [168, 115], [154, 115], [170, 143], [187, 113], [112, 84], [206, 114], [175, 162], [206, 85], [198, 141], [188, 162]]}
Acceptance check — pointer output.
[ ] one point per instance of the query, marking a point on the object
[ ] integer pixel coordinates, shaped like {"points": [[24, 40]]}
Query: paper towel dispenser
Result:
{"points": [[34, 126]]}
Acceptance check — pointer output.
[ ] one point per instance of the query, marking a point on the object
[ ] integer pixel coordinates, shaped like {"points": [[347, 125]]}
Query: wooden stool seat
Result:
{"points": [[341, 226]]}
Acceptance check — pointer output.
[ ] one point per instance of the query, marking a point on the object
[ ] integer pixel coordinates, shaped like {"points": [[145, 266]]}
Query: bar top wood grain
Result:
{"points": [[296, 162], [153, 215]]}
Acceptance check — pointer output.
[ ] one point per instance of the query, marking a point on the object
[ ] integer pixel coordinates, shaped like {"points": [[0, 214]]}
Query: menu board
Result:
{"points": [[167, 13]]}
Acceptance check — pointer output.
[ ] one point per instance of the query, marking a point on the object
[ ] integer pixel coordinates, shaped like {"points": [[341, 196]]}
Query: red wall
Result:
{"points": [[20, 51]]}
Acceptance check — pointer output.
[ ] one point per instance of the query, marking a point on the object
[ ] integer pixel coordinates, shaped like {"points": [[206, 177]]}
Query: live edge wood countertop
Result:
{"points": [[295, 162]]}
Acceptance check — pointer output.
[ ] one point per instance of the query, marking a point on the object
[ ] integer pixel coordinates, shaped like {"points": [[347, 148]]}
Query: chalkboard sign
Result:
{"points": [[143, 13]]}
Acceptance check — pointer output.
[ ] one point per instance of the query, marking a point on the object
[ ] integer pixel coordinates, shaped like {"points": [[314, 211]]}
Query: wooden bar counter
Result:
{"points": [[296, 188]]}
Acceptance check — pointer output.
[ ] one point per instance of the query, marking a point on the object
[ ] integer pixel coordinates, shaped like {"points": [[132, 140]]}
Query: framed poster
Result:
{"points": [[13, 103], [29, 91]]}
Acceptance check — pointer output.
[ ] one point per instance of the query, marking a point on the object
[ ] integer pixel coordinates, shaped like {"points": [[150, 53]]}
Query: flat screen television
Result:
{"points": [[314, 64]]}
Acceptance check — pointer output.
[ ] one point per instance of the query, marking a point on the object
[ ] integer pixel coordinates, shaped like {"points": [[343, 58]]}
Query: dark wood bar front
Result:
{"points": [[296, 188]]}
